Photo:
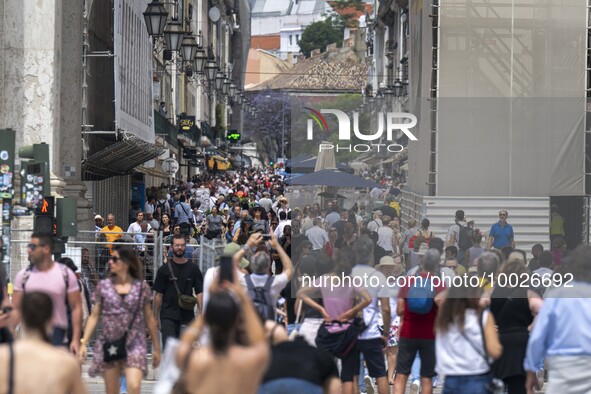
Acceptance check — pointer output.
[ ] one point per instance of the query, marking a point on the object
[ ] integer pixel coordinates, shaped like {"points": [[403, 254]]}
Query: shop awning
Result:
{"points": [[120, 157]]}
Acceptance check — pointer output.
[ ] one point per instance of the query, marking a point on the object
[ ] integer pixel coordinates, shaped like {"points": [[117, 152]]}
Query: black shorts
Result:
{"points": [[349, 366], [407, 350], [373, 356]]}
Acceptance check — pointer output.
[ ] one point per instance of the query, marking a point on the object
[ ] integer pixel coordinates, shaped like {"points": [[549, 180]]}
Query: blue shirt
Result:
{"points": [[562, 328], [183, 213], [502, 235]]}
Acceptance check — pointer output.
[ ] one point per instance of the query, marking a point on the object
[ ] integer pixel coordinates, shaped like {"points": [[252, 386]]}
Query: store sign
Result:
{"points": [[186, 124]]}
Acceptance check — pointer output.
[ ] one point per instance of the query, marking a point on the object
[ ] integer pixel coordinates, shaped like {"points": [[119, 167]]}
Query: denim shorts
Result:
{"points": [[467, 384]]}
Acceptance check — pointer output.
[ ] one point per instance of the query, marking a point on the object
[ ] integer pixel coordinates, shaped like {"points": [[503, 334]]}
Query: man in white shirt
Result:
{"points": [[317, 235], [386, 235], [260, 264], [136, 229], [376, 222], [266, 202], [453, 234], [283, 221]]}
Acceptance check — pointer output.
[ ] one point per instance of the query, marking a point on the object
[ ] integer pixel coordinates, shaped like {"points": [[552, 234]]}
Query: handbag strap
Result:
{"points": [[10, 368], [174, 279], [137, 308], [483, 355]]}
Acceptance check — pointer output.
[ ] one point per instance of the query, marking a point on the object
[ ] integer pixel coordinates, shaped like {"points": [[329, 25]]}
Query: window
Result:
{"points": [[297, 38], [290, 39]]}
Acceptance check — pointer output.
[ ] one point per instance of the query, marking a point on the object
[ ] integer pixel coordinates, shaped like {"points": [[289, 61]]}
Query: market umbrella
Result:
{"points": [[332, 177], [326, 159]]}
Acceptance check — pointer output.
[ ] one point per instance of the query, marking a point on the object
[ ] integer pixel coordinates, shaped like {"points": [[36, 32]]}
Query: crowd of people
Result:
{"points": [[283, 311]]}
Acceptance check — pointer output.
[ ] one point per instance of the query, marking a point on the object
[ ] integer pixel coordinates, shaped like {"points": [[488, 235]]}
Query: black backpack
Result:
{"points": [[261, 298], [466, 237]]}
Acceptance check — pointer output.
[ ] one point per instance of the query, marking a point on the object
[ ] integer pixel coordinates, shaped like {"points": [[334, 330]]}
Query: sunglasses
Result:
{"points": [[115, 259], [502, 214], [33, 246]]}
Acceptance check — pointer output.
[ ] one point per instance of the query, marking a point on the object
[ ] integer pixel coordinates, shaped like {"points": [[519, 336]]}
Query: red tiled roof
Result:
{"points": [[266, 42], [351, 10]]}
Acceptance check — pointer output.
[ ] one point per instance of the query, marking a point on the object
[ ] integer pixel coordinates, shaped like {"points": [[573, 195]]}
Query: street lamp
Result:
{"points": [[398, 88], [155, 17], [189, 48], [200, 60], [219, 80], [232, 90], [210, 70], [226, 87], [173, 35], [240, 99]]}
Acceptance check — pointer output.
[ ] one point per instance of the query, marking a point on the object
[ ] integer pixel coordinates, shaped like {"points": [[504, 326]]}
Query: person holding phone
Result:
{"points": [[237, 355]]}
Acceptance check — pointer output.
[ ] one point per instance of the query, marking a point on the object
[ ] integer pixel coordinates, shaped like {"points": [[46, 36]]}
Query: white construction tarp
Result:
{"points": [[510, 111]]}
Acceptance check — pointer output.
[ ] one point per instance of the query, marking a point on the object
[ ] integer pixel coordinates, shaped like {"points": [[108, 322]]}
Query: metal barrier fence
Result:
{"points": [[92, 256]]}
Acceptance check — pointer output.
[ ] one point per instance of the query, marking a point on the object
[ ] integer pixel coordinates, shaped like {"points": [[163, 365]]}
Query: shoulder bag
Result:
{"points": [[186, 302], [340, 338], [117, 350], [495, 386]]}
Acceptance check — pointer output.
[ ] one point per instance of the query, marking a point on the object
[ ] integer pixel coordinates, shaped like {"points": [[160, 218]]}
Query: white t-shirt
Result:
{"points": [[455, 355], [318, 237], [281, 227], [210, 276], [454, 229], [374, 224], [279, 283], [385, 237], [148, 208], [377, 288], [136, 229]]}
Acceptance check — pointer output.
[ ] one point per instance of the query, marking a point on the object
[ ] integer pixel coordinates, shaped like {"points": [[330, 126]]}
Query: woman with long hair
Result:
{"points": [[338, 303], [123, 304], [514, 308], [32, 364], [165, 225], [237, 355], [465, 339]]}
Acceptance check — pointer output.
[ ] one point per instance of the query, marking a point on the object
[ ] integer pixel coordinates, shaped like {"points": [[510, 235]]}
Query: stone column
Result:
{"points": [[30, 78], [68, 167]]}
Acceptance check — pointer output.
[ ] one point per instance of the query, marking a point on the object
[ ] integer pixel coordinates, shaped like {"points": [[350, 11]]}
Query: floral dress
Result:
{"points": [[116, 314]]}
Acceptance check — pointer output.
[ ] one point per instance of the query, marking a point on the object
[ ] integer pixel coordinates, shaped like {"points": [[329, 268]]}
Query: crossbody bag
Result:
{"points": [[186, 302]]}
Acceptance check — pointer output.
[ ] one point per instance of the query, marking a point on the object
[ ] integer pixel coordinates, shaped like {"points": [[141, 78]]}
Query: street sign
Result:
{"points": [[170, 166], [7, 163], [233, 136]]}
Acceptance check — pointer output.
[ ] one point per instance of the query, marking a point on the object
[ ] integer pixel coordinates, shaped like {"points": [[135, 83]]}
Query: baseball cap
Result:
{"points": [[231, 249]]}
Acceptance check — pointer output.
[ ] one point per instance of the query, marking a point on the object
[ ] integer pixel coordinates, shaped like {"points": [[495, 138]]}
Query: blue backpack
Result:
{"points": [[420, 295]]}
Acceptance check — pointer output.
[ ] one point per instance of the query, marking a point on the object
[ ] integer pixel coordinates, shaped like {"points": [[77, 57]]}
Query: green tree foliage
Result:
{"points": [[318, 35]]}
